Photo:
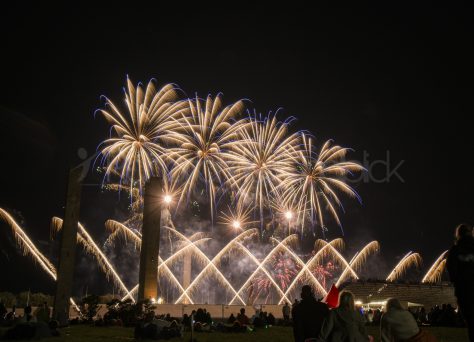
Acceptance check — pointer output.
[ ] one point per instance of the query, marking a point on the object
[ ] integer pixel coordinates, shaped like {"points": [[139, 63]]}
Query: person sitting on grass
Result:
{"points": [[155, 328], [27, 316], [398, 324], [43, 313], [242, 318], [11, 316], [344, 323], [270, 319], [231, 319]]}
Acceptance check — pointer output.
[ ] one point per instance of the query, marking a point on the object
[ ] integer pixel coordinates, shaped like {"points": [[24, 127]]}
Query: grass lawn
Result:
{"points": [[274, 334]]}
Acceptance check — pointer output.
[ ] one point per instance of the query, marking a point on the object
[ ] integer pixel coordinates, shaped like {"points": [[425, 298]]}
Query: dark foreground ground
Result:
{"points": [[272, 334]]}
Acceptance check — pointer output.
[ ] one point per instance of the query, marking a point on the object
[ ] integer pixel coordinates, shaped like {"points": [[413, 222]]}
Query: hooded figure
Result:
{"points": [[344, 324], [397, 323]]}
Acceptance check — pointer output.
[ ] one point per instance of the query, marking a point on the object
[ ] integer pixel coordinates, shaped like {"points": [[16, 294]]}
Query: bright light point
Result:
{"points": [[236, 224], [160, 300], [289, 215], [167, 199], [152, 300]]}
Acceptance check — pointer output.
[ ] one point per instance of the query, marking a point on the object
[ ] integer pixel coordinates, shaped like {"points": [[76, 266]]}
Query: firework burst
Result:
{"points": [[137, 149], [238, 218], [260, 159], [204, 139], [314, 181]]}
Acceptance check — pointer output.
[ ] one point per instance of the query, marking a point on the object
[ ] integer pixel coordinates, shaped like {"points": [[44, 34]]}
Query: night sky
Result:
{"points": [[394, 80]]}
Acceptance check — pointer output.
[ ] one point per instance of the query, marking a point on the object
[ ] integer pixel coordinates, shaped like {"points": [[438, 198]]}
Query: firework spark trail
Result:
{"points": [[302, 264], [117, 227], [261, 266], [211, 264], [306, 270], [164, 264], [90, 246], [338, 257], [136, 200], [259, 159], [435, 271], [203, 141], [257, 262], [138, 147], [438, 272], [408, 260], [327, 247], [314, 179], [359, 258], [29, 247]]}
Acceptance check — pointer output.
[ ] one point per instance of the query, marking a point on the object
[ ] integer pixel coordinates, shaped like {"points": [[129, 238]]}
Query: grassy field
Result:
{"points": [[273, 334]]}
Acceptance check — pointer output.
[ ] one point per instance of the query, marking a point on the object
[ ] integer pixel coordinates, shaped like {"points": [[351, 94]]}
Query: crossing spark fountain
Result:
{"points": [[213, 271]]}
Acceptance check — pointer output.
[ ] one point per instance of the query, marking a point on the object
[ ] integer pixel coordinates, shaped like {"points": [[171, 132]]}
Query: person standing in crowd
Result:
{"points": [[344, 323], [286, 312], [308, 316], [460, 264]]}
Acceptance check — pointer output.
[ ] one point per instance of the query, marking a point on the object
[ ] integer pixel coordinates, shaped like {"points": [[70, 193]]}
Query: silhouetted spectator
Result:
{"points": [[460, 264], [255, 319], [258, 320], [270, 319], [369, 316], [27, 316], [231, 319], [377, 317], [308, 316], [207, 316], [242, 318], [423, 316], [200, 316], [186, 321], [397, 323], [11, 315], [42, 314], [344, 323], [3, 312], [286, 311]]}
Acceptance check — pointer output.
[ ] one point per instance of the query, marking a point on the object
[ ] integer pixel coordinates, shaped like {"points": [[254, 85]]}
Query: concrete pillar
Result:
{"points": [[186, 272], [148, 275], [68, 247]]}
